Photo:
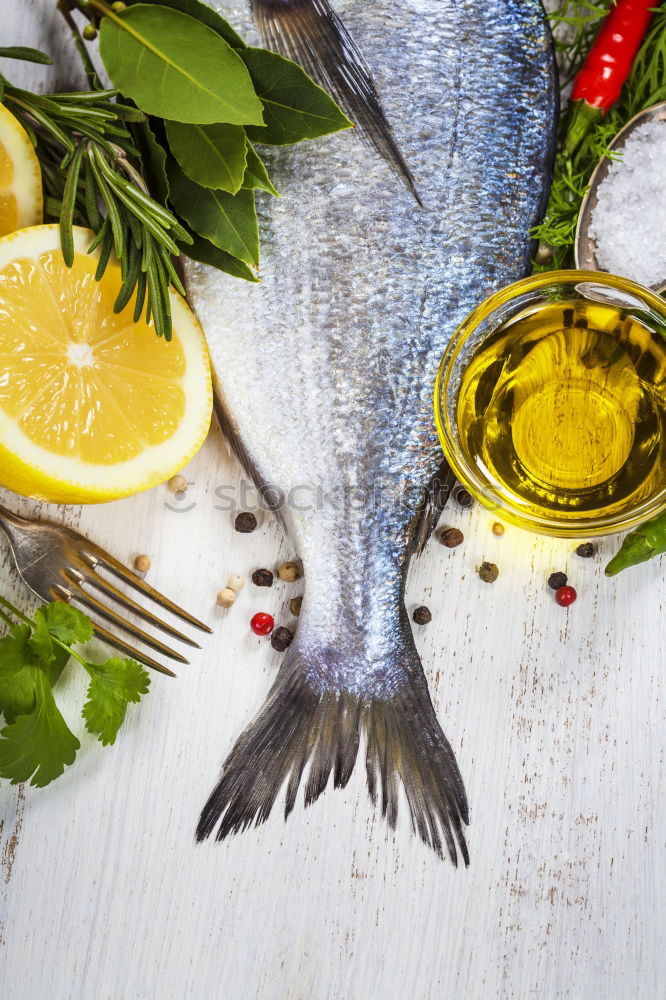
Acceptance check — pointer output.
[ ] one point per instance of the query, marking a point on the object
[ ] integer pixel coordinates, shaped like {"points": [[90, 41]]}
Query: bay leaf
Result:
{"points": [[207, 15], [173, 67], [229, 221], [153, 157], [212, 155], [203, 250], [295, 108], [256, 175]]}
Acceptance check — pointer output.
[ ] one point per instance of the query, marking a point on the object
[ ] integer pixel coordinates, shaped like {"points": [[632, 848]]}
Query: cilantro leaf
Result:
{"points": [[65, 623], [18, 673], [41, 643], [113, 685], [58, 621], [38, 745], [57, 665]]}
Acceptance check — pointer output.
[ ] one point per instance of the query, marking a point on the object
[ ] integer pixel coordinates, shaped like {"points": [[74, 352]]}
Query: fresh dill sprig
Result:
{"points": [[575, 25], [647, 83]]}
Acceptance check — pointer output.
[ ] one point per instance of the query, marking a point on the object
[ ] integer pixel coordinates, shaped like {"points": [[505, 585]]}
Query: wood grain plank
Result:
{"points": [[557, 718]]}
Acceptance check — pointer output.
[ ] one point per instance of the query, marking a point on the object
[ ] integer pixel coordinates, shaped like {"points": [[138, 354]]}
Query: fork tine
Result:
{"points": [[95, 555], [125, 647], [127, 602], [83, 597], [59, 593]]}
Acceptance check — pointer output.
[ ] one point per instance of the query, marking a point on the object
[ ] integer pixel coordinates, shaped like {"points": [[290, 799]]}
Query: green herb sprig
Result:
{"points": [[36, 742], [575, 25], [91, 178], [156, 170]]}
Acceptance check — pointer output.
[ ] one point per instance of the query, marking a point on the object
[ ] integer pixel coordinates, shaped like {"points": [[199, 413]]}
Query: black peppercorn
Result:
{"points": [[488, 572], [262, 578], [422, 615], [557, 580], [281, 638], [451, 537], [464, 499], [586, 550], [245, 522]]}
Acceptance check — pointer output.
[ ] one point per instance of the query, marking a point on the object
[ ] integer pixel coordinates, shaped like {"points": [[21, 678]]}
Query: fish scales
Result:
{"points": [[325, 373]]}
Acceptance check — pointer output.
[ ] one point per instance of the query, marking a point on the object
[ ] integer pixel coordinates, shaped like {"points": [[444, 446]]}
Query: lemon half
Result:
{"points": [[93, 406], [20, 177]]}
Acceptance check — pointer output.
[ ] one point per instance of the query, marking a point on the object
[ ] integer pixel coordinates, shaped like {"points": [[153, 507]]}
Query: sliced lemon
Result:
{"points": [[20, 177], [92, 405]]}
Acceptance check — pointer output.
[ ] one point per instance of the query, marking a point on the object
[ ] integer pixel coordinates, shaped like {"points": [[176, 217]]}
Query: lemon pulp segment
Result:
{"points": [[92, 404], [21, 200]]}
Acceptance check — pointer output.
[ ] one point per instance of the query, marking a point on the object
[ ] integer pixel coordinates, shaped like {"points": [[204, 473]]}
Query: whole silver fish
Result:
{"points": [[325, 377]]}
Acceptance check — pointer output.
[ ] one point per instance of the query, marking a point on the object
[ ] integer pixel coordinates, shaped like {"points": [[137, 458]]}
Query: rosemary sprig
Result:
{"points": [[91, 174], [575, 24]]}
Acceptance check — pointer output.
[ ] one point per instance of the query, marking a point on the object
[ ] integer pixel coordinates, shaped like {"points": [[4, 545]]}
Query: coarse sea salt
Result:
{"points": [[629, 220]]}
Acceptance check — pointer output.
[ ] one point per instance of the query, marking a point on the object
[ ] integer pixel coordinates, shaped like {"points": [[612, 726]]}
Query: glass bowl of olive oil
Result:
{"points": [[550, 403]]}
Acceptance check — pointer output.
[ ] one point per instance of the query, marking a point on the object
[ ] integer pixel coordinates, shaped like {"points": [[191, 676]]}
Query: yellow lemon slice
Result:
{"points": [[20, 177], [92, 405]]}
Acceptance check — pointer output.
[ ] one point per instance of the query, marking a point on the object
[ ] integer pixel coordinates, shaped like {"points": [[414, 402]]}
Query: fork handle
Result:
{"points": [[7, 518]]}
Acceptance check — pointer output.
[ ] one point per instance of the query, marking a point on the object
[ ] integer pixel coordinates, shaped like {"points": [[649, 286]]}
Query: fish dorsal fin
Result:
{"points": [[312, 34]]}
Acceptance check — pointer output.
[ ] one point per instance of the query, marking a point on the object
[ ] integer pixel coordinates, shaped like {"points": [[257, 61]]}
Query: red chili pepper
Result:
{"points": [[608, 64]]}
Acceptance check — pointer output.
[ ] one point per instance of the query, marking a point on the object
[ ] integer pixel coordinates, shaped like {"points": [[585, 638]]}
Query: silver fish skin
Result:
{"points": [[325, 377]]}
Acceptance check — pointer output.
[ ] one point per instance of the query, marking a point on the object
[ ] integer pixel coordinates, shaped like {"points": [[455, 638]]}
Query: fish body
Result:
{"points": [[325, 377]]}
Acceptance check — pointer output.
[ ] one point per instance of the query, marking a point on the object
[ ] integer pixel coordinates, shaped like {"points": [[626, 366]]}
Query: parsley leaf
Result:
{"points": [[113, 685], [39, 745]]}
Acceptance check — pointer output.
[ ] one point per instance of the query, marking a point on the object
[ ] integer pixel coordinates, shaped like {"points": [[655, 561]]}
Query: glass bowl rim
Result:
{"points": [[464, 472]]}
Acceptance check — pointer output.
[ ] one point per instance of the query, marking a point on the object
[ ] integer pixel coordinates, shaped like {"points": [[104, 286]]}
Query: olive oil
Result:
{"points": [[564, 410]]}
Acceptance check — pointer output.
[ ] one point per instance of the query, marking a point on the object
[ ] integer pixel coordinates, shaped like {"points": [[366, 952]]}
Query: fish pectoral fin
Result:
{"points": [[298, 725], [435, 499]]}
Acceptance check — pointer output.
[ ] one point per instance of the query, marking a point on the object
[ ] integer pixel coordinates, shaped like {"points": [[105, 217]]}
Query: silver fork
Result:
{"points": [[57, 564]]}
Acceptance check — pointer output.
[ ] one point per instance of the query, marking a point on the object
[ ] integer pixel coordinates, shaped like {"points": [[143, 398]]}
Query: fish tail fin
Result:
{"points": [[298, 725], [312, 34]]}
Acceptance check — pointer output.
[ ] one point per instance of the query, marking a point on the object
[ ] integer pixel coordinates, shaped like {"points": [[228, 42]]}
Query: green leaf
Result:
{"points": [[174, 67], [18, 673], [229, 221], [57, 621], [41, 643], [212, 155], [202, 12], [113, 685], [256, 175], [57, 665], [38, 745], [295, 108], [153, 158], [65, 623], [26, 53], [203, 250]]}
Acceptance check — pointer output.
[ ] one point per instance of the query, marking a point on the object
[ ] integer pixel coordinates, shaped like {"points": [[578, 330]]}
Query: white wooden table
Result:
{"points": [[557, 718]]}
